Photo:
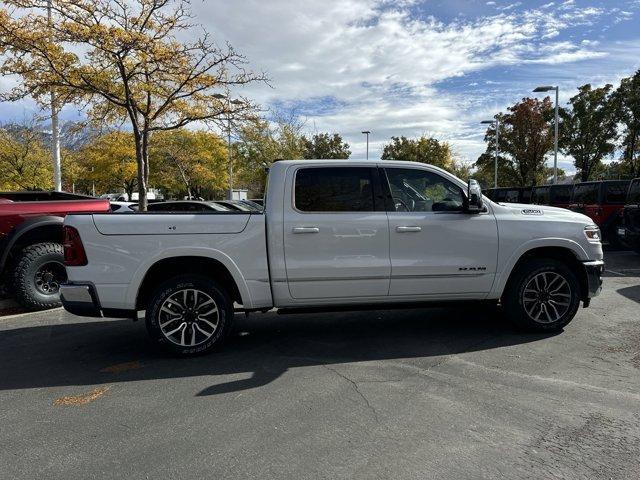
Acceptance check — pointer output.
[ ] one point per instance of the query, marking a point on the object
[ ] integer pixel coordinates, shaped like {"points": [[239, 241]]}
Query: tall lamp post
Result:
{"points": [[367, 132], [495, 123], [55, 127], [548, 88], [229, 163]]}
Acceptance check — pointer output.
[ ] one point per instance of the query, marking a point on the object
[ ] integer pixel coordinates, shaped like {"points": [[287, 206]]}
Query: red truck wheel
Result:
{"points": [[38, 274]]}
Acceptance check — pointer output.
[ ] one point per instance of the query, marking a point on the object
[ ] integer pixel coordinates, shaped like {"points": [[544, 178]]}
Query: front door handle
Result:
{"points": [[306, 230], [406, 229]]}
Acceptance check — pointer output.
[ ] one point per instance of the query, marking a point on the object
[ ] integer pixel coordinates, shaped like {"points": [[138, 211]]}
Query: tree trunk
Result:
{"points": [[142, 181]]}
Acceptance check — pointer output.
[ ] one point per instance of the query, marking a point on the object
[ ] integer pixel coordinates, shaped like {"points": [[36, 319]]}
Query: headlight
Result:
{"points": [[592, 233]]}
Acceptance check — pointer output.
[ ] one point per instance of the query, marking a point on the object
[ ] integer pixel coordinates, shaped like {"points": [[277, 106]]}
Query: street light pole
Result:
{"points": [[229, 162], [367, 132], [548, 88], [55, 126], [496, 123]]}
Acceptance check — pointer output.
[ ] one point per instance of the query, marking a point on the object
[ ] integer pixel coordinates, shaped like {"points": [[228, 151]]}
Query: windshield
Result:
{"points": [[585, 193], [634, 192]]}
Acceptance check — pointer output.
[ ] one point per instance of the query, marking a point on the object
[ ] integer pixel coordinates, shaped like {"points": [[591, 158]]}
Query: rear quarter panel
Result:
{"points": [[118, 262]]}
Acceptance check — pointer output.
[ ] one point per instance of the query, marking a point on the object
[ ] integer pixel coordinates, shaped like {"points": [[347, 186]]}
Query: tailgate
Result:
{"points": [[171, 223]]}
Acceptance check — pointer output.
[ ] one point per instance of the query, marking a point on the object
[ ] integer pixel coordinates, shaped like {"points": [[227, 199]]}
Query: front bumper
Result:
{"points": [[594, 270], [80, 300]]}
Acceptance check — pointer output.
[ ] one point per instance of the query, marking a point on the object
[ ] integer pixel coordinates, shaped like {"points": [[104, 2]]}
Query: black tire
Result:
{"points": [[521, 307], [169, 295], [39, 271]]}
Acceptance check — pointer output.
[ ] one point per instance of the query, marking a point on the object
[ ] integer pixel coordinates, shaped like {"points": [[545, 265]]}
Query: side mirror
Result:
{"points": [[474, 197]]}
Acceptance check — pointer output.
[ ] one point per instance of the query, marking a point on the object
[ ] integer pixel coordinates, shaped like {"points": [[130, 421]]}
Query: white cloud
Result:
{"points": [[382, 64]]}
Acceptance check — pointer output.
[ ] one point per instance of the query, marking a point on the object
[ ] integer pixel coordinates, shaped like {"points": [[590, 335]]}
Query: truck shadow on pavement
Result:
{"points": [[632, 292], [263, 346]]}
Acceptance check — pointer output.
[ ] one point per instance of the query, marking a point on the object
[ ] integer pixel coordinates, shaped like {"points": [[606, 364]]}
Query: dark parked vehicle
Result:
{"points": [[510, 194], [631, 217], [31, 256], [552, 195], [186, 206], [239, 205], [603, 202]]}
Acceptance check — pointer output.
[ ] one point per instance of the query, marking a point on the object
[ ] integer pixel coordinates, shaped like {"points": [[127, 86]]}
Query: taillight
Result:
{"points": [[74, 254]]}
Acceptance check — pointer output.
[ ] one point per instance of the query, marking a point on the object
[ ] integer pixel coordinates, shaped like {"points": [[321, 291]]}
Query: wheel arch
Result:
{"points": [[567, 252], [207, 266], [46, 228]]}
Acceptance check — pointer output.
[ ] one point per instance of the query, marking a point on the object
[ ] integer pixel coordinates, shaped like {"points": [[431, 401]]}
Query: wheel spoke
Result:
{"points": [[546, 297], [555, 311], [181, 321], [182, 325], [208, 312]]}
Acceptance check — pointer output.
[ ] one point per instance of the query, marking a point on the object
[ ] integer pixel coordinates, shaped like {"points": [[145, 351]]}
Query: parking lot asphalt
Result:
{"points": [[426, 393]]}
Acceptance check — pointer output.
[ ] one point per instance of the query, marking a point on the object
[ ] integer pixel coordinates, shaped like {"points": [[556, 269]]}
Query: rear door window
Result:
{"points": [[615, 193], [334, 189], [585, 193], [561, 193], [540, 196]]}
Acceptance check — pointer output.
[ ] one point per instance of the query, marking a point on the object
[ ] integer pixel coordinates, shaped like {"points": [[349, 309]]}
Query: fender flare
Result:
{"points": [[23, 228], [503, 276], [176, 252]]}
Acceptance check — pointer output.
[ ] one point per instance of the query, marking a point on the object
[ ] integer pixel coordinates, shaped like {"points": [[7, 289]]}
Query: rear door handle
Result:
{"points": [[406, 229], [306, 230]]}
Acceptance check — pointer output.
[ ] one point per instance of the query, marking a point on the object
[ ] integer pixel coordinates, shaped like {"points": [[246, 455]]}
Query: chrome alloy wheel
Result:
{"points": [[188, 317], [547, 297]]}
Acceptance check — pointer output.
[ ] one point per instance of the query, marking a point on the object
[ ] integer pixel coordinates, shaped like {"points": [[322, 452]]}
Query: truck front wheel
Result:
{"points": [[189, 315], [543, 295], [38, 274]]}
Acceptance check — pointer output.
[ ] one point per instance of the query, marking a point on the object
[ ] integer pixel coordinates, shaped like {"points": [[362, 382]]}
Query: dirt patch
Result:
{"points": [[81, 399]]}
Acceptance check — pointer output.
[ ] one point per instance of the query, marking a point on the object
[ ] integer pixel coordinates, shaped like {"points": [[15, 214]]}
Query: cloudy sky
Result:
{"points": [[411, 67]]}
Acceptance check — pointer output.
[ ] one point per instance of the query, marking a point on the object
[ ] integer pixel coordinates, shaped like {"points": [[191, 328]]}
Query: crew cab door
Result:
{"points": [[336, 233], [436, 248]]}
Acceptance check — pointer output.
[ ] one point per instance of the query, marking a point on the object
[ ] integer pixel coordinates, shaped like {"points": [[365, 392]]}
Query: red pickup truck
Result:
{"points": [[31, 256], [603, 201]]}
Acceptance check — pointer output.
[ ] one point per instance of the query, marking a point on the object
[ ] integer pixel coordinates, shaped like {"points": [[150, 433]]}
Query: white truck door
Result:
{"points": [[435, 247], [336, 233]]}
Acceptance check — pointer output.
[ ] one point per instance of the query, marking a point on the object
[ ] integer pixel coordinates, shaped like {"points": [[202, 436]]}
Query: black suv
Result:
{"points": [[631, 217]]}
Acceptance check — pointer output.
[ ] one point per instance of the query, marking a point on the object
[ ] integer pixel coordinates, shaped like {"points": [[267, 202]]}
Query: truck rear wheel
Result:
{"points": [[38, 274], [189, 315], [543, 295]]}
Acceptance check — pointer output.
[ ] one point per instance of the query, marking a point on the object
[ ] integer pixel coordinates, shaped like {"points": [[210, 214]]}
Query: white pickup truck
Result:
{"points": [[334, 234]]}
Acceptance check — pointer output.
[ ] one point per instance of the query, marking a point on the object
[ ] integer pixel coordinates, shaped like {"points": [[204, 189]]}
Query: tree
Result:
{"points": [[526, 136], [194, 162], [109, 162], [589, 129], [424, 149], [24, 161], [324, 145], [125, 59], [261, 143], [626, 100]]}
